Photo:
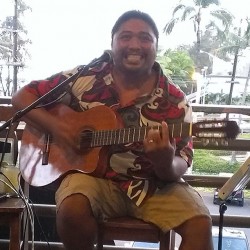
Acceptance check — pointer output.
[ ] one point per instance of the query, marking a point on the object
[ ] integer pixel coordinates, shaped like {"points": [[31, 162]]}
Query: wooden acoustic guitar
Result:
{"points": [[42, 161]]}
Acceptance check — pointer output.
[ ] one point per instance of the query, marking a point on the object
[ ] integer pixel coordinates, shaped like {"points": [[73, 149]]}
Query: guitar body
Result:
{"points": [[60, 162], [42, 161]]}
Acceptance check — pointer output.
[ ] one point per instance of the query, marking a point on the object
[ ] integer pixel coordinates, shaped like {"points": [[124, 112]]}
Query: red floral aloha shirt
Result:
{"points": [[125, 163]]}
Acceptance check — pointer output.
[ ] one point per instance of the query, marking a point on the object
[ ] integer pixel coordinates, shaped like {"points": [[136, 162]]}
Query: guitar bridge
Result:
{"points": [[46, 149]]}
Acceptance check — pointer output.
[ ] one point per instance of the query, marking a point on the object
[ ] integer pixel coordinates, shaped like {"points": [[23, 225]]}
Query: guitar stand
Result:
{"points": [[222, 209]]}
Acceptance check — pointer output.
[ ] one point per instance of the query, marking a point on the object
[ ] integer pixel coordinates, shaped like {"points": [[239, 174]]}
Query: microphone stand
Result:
{"points": [[107, 55], [60, 87], [223, 208]]}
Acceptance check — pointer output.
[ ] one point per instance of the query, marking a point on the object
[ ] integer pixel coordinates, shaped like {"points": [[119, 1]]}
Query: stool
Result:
{"points": [[132, 229], [11, 210]]}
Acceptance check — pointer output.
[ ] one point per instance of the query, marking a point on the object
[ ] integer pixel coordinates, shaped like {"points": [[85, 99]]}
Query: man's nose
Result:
{"points": [[134, 42]]}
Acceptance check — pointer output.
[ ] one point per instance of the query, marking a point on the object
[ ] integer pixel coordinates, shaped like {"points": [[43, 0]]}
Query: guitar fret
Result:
{"points": [[117, 136], [109, 139], [122, 136], [114, 138], [133, 134], [139, 134], [92, 144], [98, 138], [102, 138], [125, 135]]}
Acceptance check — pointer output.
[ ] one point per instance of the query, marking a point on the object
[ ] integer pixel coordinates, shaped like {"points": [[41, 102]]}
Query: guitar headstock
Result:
{"points": [[216, 129]]}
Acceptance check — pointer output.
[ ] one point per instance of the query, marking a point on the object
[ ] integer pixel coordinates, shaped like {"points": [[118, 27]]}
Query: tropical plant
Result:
{"points": [[219, 19], [180, 67], [237, 40]]}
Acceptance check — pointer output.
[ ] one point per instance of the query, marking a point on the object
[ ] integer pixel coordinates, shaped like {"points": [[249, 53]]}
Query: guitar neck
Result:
{"points": [[129, 135]]}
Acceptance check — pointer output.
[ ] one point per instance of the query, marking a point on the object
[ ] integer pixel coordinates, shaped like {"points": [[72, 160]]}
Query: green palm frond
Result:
{"points": [[170, 25], [178, 8], [213, 26], [248, 29], [187, 12], [206, 3], [224, 16], [234, 39], [247, 33], [227, 49]]}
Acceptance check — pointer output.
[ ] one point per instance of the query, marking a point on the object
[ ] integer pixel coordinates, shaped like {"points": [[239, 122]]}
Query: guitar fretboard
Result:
{"points": [[129, 135]]}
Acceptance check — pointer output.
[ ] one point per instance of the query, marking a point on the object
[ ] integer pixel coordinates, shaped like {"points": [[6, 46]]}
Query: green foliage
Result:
{"points": [[180, 63], [244, 136], [221, 98], [180, 67], [208, 162]]}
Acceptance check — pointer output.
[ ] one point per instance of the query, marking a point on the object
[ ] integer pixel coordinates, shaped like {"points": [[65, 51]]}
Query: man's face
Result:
{"points": [[134, 47]]}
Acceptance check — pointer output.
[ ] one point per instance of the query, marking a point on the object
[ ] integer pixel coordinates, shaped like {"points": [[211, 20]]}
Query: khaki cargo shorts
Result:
{"points": [[168, 208]]}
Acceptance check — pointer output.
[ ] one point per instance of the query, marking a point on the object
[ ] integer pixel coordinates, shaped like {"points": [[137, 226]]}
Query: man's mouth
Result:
{"points": [[133, 58]]}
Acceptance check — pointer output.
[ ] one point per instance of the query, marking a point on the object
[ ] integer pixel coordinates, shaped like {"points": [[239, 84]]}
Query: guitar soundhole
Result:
{"points": [[86, 139]]}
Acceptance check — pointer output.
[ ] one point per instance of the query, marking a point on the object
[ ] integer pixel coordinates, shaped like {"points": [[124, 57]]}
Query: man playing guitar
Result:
{"points": [[126, 171]]}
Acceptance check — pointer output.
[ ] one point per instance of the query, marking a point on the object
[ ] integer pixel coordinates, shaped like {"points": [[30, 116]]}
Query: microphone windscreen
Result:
{"points": [[107, 55]]}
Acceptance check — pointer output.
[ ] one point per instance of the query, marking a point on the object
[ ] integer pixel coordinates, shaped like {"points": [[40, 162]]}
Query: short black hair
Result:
{"points": [[137, 15]]}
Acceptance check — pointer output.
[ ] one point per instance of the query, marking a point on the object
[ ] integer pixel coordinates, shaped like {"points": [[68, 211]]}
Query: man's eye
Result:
{"points": [[125, 37], [145, 38]]}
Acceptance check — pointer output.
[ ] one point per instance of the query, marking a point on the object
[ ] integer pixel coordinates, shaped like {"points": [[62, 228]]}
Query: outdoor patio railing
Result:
{"points": [[213, 181]]}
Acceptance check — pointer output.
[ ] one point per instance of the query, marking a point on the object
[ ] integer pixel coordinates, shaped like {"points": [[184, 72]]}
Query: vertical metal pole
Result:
{"points": [[223, 208], [233, 76], [15, 48], [234, 68]]}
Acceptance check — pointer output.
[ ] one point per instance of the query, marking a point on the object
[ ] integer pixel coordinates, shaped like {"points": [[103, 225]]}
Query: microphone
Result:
{"points": [[107, 56]]}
